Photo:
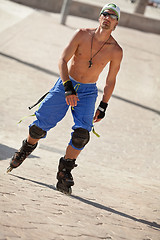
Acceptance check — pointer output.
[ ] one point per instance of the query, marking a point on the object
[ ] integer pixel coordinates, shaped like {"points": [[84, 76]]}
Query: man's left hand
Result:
{"points": [[96, 119]]}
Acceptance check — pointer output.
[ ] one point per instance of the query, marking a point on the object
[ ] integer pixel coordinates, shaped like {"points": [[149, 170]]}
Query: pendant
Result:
{"points": [[90, 63]]}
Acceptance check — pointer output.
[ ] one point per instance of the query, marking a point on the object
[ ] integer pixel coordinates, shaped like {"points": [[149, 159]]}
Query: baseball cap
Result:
{"points": [[113, 7]]}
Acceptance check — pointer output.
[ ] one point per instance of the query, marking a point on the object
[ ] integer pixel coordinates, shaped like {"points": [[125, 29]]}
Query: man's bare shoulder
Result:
{"points": [[85, 31], [116, 44], [118, 51]]}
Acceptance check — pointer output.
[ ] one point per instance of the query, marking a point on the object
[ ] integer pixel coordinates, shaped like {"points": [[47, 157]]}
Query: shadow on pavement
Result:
{"points": [[154, 225], [30, 65], [7, 152], [108, 209], [33, 181]]}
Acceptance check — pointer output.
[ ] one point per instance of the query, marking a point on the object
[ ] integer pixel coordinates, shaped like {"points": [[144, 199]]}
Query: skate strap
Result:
{"points": [[76, 89], [40, 100], [93, 130], [32, 115]]}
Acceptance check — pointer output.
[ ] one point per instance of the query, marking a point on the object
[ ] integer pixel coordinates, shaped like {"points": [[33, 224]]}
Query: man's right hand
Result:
{"points": [[72, 100], [70, 94]]}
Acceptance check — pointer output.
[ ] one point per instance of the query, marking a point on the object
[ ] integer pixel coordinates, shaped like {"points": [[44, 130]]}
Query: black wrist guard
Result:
{"points": [[102, 108], [69, 89]]}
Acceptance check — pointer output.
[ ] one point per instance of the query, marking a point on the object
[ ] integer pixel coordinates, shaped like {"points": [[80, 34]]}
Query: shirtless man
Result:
{"points": [[90, 50]]}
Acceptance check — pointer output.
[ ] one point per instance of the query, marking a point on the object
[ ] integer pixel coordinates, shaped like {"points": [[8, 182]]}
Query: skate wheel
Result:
{"points": [[69, 191], [66, 190], [9, 169]]}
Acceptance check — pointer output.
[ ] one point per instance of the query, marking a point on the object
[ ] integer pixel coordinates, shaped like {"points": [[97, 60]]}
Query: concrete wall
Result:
{"points": [[84, 10], [140, 22], [47, 5]]}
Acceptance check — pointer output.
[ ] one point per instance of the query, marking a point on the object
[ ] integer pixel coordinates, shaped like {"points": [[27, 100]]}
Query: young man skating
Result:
{"points": [[90, 50]]}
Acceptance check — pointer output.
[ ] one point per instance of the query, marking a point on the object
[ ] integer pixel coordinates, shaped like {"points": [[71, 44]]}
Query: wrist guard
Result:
{"points": [[102, 108], [69, 89]]}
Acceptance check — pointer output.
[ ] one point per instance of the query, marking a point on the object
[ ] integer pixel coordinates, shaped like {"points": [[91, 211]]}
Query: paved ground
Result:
{"points": [[116, 193]]}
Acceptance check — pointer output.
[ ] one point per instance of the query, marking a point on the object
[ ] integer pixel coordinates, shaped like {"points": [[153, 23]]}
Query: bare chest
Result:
{"points": [[99, 53]]}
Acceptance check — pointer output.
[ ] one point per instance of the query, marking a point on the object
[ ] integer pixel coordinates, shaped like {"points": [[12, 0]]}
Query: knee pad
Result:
{"points": [[36, 132], [80, 137]]}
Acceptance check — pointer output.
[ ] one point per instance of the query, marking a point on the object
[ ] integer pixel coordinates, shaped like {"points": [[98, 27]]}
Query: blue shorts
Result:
{"points": [[54, 107]]}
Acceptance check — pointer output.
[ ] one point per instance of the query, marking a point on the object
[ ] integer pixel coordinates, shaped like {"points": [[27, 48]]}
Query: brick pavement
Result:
{"points": [[116, 192]]}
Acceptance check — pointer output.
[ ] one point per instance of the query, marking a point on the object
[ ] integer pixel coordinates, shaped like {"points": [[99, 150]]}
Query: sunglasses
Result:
{"points": [[111, 15]]}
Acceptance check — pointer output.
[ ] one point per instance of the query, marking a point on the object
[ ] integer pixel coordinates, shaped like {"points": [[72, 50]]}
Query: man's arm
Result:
{"points": [[109, 86], [68, 52]]}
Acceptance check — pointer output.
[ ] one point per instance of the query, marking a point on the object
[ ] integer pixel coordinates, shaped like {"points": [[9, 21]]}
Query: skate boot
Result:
{"points": [[21, 155], [64, 176]]}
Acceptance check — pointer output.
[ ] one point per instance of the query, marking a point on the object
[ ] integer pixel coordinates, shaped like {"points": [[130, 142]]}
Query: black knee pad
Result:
{"points": [[36, 132], [80, 137]]}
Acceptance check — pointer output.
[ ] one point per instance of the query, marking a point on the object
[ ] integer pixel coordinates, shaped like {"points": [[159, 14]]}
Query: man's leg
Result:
{"points": [[31, 140], [80, 138], [71, 152], [28, 145], [52, 109]]}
